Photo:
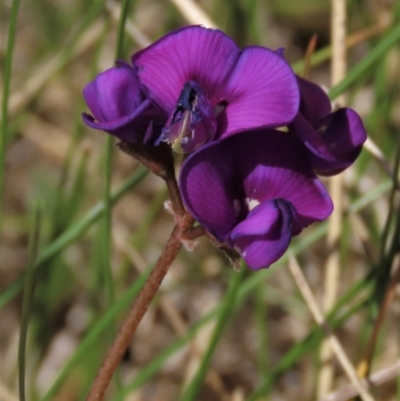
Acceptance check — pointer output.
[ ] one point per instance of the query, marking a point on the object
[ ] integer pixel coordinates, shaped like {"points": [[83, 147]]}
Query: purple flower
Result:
{"points": [[211, 89], [118, 105], [254, 191], [334, 140]]}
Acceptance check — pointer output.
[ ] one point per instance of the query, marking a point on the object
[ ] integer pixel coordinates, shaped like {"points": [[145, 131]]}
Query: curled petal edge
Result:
{"points": [[264, 236], [118, 128]]}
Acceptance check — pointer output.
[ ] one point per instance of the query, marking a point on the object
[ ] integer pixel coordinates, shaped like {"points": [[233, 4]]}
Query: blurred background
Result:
{"points": [[270, 347]]}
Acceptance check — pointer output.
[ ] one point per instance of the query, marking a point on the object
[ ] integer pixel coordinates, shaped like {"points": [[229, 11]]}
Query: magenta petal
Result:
{"points": [[117, 104], [334, 139], [264, 236], [262, 91], [334, 143], [311, 139], [204, 183], [344, 137], [115, 93], [314, 102], [128, 127], [195, 53]]}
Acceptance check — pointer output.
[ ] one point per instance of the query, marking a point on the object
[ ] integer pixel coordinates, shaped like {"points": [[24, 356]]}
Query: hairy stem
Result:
{"points": [[139, 308]]}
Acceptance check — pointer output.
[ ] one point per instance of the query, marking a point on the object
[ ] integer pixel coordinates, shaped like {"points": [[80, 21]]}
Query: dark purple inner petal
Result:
{"points": [[344, 136], [334, 142], [193, 123], [207, 190], [311, 139], [113, 94], [264, 236], [314, 102]]}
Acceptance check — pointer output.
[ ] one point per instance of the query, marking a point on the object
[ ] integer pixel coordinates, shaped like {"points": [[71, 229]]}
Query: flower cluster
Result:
{"points": [[250, 185]]}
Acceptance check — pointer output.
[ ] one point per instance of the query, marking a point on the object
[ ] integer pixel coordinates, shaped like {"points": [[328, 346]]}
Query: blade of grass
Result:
{"points": [[6, 92], [389, 218], [364, 366], [74, 232], [26, 301], [387, 256], [106, 229], [77, 193], [367, 62], [261, 312], [133, 31], [223, 316], [252, 9], [119, 48], [371, 196]]}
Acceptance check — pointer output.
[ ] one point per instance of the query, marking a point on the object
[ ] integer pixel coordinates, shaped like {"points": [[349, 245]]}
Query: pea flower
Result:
{"points": [[118, 104], [211, 89], [334, 139], [254, 191]]}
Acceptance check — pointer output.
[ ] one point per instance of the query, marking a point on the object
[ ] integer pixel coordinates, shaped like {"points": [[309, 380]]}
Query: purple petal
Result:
{"points": [[264, 236], [117, 104], [206, 56], [219, 180], [205, 186], [334, 143], [311, 139], [114, 94], [262, 91], [314, 102], [344, 137]]}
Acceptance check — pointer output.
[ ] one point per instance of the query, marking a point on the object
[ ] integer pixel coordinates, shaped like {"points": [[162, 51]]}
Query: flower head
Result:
{"points": [[334, 140], [211, 89], [250, 186], [259, 191], [118, 104]]}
